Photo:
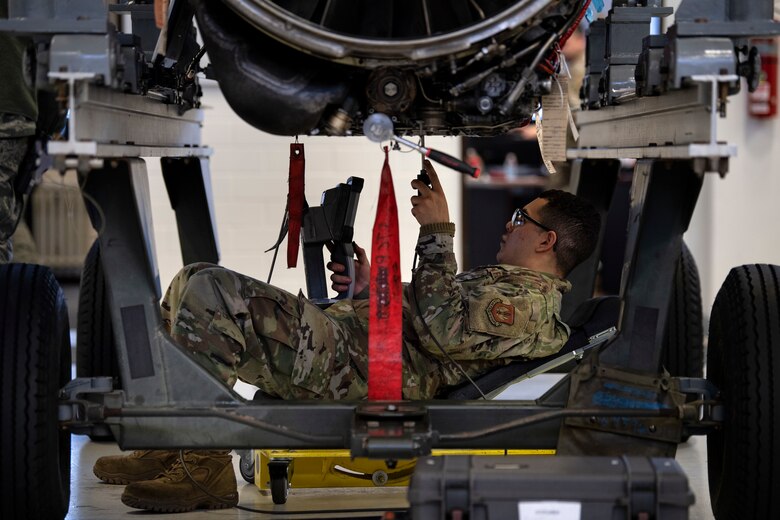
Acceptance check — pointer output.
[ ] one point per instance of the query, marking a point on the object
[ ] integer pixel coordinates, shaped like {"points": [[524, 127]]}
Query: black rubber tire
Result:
{"points": [[743, 358], [279, 487], [683, 350], [35, 363], [247, 465], [95, 350]]}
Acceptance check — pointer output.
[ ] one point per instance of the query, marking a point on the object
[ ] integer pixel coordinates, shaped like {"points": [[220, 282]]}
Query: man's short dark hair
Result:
{"points": [[577, 224]]}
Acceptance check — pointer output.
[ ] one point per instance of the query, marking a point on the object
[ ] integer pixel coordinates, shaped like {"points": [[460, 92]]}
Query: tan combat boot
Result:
{"points": [[211, 484], [139, 465]]}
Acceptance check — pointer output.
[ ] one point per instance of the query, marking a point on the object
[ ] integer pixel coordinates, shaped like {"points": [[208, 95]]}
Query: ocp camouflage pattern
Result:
{"points": [[241, 328], [14, 130]]}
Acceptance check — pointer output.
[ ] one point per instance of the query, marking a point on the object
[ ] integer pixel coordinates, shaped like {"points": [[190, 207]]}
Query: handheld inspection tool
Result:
{"points": [[379, 127], [331, 222]]}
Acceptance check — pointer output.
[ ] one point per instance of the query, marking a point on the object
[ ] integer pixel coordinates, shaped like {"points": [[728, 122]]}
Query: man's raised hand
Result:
{"points": [[430, 205]]}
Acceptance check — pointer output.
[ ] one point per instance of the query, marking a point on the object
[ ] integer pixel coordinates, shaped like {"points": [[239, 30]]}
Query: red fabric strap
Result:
{"points": [[384, 322], [295, 201]]}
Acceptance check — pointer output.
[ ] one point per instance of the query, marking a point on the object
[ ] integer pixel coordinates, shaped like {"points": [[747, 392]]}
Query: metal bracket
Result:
{"points": [[148, 127], [391, 430], [679, 125], [279, 468], [706, 411], [49, 17], [82, 407], [717, 105], [577, 354], [72, 146]]}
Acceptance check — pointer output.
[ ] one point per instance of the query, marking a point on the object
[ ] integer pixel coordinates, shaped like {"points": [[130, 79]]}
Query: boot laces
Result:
{"points": [[177, 471], [139, 454]]}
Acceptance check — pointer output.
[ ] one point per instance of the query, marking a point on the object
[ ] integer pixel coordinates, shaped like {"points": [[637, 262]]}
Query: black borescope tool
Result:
{"points": [[331, 223]]}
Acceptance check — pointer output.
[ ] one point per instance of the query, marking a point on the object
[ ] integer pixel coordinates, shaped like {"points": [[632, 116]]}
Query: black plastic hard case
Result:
{"points": [[554, 487]]}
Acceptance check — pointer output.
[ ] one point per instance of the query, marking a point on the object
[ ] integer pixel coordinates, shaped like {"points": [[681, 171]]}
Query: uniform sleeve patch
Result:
{"points": [[491, 314], [500, 313]]}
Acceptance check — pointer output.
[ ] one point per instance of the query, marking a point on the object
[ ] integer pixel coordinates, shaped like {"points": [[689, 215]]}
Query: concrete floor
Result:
{"points": [[91, 499]]}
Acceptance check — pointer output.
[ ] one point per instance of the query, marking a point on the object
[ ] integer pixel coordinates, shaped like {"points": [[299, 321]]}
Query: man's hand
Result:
{"points": [[362, 272], [430, 206]]}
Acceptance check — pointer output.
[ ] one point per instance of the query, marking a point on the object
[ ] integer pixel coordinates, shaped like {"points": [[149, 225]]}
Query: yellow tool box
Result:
{"points": [[278, 470]]}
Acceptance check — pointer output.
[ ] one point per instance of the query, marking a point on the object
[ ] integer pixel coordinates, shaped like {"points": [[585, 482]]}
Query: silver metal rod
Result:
{"points": [[411, 144]]}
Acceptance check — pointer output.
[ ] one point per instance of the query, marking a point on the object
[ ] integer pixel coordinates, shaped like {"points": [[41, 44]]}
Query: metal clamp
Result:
{"points": [[707, 409], [391, 430], [82, 409]]}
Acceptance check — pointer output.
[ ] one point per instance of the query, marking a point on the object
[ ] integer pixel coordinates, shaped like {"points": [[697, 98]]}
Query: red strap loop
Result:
{"points": [[295, 201], [384, 322]]}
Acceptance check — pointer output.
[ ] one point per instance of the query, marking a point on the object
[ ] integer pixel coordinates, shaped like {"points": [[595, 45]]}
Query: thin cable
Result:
{"points": [[557, 414], [436, 341], [477, 8], [572, 27], [560, 90], [487, 127], [91, 199], [511, 98], [474, 80], [190, 72], [426, 17], [422, 91], [427, 328], [325, 13], [282, 233]]}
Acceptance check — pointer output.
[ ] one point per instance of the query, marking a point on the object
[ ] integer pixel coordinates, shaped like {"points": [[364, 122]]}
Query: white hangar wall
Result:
{"points": [[249, 172], [735, 221]]}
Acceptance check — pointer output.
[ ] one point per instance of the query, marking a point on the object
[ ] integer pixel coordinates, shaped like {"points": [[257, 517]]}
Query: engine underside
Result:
{"points": [[466, 67]]}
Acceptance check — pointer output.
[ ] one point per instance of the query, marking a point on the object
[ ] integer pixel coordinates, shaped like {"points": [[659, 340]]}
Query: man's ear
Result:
{"points": [[547, 242]]}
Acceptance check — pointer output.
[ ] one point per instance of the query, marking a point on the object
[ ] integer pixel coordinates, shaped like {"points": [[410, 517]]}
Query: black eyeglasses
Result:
{"points": [[520, 216]]}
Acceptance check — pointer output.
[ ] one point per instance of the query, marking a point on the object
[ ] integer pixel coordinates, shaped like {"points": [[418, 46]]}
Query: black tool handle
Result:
{"points": [[423, 176], [344, 254], [316, 283], [452, 162]]}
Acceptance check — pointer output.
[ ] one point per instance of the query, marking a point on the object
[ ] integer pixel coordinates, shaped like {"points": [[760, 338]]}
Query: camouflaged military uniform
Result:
{"points": [[239, 327], [18, 111], [14, 130]]}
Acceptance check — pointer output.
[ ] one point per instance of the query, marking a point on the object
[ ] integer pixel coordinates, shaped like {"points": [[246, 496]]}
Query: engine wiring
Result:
{"points": [[548, 64], [552, 62]]}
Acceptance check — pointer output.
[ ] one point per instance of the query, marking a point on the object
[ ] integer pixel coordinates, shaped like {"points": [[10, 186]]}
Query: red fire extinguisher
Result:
{"points": [[762, 102]]}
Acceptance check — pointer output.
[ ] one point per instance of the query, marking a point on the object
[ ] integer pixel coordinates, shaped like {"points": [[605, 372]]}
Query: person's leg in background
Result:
{"points": [[25, 248], [14, 137], [18, 114], [241, 328]]}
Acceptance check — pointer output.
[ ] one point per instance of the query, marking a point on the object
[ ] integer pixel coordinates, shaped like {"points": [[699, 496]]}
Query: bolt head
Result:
{"points": [[485, 104], [391, 89]]}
